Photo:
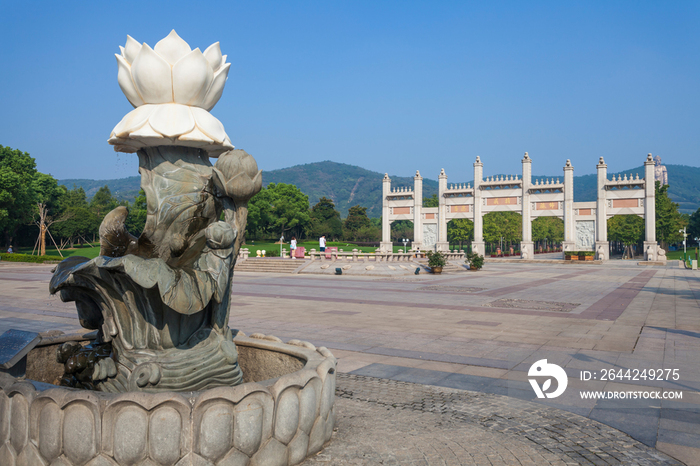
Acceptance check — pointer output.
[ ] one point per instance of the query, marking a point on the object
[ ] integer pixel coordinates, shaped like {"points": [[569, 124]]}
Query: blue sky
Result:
{"points": [[389, 86]]}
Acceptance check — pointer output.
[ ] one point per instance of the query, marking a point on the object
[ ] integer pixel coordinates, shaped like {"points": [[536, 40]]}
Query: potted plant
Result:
{"points": [[436, 261], [475, 261], [570, 256], [588, 255]]}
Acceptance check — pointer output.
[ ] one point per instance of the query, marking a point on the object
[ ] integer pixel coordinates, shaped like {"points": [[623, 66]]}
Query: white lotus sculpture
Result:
{"points": [[173, 89]]}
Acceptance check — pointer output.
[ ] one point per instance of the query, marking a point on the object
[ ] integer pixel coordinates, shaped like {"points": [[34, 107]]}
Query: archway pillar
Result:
{"points": [[417, 211], [442, 243], [651, 247], [527, 248], [385, 245], [602, 246], [569, 222], [478, 246]]}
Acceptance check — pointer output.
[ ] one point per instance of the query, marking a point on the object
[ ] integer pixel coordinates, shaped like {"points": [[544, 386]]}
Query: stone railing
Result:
{"points": [[359, 256], [243, 254]]}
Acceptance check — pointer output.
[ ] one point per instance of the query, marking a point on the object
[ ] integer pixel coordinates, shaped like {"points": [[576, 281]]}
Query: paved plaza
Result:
{"points": [[434, 369]]}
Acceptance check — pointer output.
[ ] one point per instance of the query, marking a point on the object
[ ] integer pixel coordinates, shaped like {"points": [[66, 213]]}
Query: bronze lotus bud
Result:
{"points": [[220, 235], [236, 174]]}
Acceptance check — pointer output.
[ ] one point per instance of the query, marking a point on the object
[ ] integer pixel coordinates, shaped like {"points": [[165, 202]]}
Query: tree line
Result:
{"points": [[30, 199], [33, 205]]}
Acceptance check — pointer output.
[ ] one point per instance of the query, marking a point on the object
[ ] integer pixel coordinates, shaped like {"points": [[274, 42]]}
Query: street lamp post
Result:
{"points": [[685, 236], [405, 244]]}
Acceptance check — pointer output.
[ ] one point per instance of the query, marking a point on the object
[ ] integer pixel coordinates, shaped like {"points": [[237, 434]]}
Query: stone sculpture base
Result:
{"points": [[283, 414]]}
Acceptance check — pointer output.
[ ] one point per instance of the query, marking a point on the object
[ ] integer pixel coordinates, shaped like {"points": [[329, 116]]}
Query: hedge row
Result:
{"points": [[28, 258], [579, 253]]}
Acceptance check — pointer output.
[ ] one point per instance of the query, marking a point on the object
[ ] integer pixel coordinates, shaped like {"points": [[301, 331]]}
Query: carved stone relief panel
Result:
{"points": [[429, 235], [585, 234]]}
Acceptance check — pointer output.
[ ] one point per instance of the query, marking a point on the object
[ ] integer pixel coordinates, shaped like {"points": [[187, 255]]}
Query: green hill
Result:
{"points": [[349, 185], [124, 189]]}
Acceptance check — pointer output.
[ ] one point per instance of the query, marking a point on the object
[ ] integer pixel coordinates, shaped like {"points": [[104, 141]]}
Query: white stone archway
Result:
{"points": [[585, 223]]}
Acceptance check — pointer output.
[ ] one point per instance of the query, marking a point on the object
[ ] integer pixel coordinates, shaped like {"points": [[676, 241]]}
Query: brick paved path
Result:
{"points": [[387, 422]]}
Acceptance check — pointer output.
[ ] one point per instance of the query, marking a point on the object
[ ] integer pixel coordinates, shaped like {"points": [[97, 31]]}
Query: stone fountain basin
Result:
{"points": [[282, 413]]}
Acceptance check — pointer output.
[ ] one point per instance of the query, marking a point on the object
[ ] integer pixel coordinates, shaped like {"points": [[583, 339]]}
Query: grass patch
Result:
{"points": [[678, 255], [87, 250]]}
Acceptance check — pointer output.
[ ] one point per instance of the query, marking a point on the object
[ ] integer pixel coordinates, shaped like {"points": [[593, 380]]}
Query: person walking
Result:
{"points": [[293, 247], [322, 243]]}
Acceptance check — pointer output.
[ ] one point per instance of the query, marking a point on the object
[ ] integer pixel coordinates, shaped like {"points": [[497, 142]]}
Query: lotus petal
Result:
{"points": [[257, 183], [208, 124], [217, 87], [126, 83], [249, 165], [172, 48], [145, 132], [133, 121], [192, 76], [196, 135], [240, 187], [213, 56], [152, 77], [122, 50], [131, 50], [172, 120]]}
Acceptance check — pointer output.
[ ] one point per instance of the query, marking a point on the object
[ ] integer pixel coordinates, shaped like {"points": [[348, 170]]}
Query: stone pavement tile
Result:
{"points": [[466, 382], [422, 376], [641, 424], [382, 371], [679, 426], [688, 455], [448, 367], [482, 371], [686, 439]]}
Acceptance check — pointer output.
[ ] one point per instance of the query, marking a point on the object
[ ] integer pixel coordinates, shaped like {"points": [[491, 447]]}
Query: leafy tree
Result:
{"points": [[357, 220], [668, 219], [136, 220], [627, 229], [80, 223], [694, 226], [103, 202], [367, 233], [325, 220], [401, 229], [460, 230], [506, 225], [75, 197], [431, 201], [18, 196], [548, 228], [278, 209]]}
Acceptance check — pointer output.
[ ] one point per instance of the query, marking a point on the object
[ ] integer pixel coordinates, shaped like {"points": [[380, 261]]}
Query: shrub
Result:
{"points": [[28, 258], [436, 259], [475, 260]]}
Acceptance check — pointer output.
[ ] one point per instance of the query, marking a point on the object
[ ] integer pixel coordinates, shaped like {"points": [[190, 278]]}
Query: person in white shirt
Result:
{"points": [[322, 243], [293, 247]]}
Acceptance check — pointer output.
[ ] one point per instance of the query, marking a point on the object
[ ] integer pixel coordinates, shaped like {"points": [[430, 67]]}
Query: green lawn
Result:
{"points": [[678, 255], [88, 251]]}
